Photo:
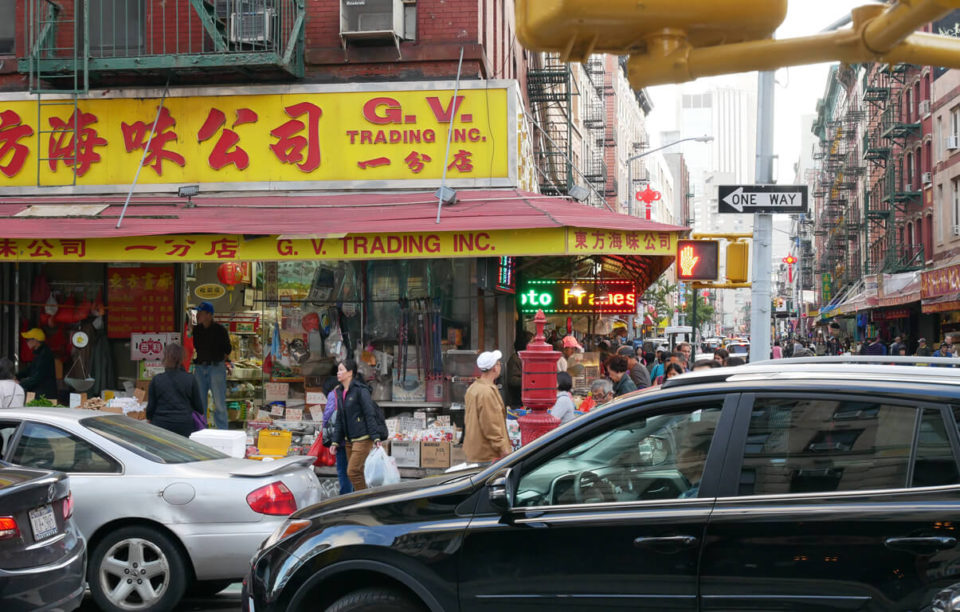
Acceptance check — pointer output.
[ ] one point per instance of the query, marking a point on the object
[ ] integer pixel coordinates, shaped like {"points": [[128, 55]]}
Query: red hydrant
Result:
{"points": [[539, 385]]}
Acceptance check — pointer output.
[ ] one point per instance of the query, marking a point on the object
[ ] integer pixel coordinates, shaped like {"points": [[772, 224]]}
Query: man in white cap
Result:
{"points": [[485, 437]]}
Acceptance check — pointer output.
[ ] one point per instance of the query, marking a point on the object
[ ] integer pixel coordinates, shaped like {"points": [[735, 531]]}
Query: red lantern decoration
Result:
{"points": [[230, 273]]}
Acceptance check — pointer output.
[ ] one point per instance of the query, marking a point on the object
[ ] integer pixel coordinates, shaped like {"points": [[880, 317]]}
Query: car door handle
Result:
{"points": [[667, 544], [927, 545]]}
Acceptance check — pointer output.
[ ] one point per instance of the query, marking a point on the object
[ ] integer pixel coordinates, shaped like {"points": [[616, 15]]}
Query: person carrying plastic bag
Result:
{"points": [[380, 469]]}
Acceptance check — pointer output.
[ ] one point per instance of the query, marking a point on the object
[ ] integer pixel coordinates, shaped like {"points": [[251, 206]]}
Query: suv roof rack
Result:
{"points": [[862, 366]]}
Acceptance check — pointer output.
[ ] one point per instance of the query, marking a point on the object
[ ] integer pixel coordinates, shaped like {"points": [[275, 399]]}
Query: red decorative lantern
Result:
{"points": [[539, 385], [230, 273]]}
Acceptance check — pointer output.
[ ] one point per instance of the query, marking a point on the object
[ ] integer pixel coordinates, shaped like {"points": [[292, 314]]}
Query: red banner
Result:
{"points": [[140, 300]]}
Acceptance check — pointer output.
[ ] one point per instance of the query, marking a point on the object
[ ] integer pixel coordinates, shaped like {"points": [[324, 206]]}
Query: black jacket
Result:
{"points": [[40, 376], [356, 414], [173, 396]]}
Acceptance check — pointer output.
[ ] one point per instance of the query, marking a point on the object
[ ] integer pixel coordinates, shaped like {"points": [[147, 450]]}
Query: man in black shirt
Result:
{"points": [[212, 343]]}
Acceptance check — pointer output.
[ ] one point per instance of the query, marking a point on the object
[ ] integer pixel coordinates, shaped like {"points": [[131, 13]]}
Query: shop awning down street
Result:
{"points": [[304, 216]]}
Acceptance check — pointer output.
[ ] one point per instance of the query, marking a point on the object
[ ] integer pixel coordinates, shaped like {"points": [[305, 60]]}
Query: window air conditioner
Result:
{"points": [[371, 19], [956, 230], [252, 26], [926, 178], [924, 107], [953, 142]]}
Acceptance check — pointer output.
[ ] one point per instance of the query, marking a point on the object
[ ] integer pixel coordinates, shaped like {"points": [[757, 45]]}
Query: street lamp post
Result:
{"points": [[633, 158]]}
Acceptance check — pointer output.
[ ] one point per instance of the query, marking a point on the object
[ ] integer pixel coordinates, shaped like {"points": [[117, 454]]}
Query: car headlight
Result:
{"points": [[284, 531]]}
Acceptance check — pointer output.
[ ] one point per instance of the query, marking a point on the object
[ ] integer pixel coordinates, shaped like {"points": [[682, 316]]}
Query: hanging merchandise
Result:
{"points": [[26, 353], [65, 314], [230, 274], [187, 344], [41, 292]]}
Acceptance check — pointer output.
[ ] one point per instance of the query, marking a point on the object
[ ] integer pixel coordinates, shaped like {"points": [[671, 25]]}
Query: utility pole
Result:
{"points": [[762, 225]]}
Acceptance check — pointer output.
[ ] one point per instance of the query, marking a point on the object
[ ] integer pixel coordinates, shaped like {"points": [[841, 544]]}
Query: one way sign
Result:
{"points": [[763, 199]]}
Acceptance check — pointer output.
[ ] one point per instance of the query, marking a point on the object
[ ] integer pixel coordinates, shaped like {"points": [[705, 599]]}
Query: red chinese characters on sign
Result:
{"points": [[8, 248], [226, 151], [136, 135], [289, 147], [416, 161], [73, 142], [141, 300], [462, 161], [940, 282], [11, 132]]}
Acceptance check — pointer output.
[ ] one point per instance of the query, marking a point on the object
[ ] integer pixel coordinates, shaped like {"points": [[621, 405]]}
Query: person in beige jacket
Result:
{"points": [[485, 437]]}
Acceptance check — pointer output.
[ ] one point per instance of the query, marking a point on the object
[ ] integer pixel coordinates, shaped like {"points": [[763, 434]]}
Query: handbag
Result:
{"points": [[330, 427], [199, 420]]}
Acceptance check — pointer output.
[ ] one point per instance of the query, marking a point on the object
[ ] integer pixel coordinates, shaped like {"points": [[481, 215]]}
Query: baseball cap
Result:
{"points": [[35, 334], [626, 351], [571, 342], [205, 307], [618, 324], [922, 340], [488, 359]]}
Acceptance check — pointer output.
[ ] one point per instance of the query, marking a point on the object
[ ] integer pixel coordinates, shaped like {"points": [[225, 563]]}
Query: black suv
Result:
{"points": [[793, 485]]}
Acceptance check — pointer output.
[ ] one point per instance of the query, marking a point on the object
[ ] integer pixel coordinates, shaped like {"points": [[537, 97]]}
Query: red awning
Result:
{"points": [[304, 215]]}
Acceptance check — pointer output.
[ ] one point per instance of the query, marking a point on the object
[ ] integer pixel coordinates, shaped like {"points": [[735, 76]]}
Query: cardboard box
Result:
{"points": [[457, 456], [435, 454], [406, 453], [140, 415]]}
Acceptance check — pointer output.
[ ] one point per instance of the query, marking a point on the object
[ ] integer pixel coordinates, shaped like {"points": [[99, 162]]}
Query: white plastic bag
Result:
{"points": [[380, 469]]}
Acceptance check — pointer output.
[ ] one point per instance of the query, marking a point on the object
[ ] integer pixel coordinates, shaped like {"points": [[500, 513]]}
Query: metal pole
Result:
{"points": [[146, 149], [446, 156], [762, 225], [630, 195], [693, 325]]}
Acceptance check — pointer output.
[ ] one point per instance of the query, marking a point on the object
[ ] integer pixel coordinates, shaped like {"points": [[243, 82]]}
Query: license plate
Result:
{"points": [[44, 523]]}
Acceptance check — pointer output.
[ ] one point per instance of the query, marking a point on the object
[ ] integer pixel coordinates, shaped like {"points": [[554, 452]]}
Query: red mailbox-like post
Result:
{"points": [[539, 385]]}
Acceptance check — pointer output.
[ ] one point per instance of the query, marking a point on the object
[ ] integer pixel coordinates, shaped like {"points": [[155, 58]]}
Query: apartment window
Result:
{"points": [[955, 217], [908, 110], [955, 123], [8, 19], [116, 27], [939, 208], [908, 177], [939, 138]]}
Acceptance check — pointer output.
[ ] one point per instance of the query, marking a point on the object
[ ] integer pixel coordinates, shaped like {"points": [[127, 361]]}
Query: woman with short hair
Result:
{"points": [[564, 408], [174, 395]]}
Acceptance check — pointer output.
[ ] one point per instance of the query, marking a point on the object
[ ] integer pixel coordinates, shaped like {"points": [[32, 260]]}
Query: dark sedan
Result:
{"points": [[42, 555], [793, 487]]}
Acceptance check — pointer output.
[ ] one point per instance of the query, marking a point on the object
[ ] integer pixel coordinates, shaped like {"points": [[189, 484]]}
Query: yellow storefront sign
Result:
{"points": [[357, 137], [417, 245]]}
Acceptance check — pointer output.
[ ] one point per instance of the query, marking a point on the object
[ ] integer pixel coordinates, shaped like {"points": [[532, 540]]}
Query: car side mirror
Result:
{"points": [[498, 490]]}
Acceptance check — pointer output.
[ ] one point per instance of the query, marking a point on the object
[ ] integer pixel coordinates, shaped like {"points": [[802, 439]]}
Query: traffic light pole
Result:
{"points": [[762, 226], [693, 326]]}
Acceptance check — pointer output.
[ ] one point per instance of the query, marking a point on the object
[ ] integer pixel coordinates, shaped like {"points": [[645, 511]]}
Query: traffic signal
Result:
{"points": [[789, 260], [698, 260], [579, 28], [738, 254]]}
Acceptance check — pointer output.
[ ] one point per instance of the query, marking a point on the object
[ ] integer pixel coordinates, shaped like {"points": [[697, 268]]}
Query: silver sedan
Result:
{"points": [[160, 512]]}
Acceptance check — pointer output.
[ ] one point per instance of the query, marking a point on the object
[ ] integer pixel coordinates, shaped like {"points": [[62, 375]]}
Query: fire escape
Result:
{"points": [[892, 186], [72, 45], [570, 147]]}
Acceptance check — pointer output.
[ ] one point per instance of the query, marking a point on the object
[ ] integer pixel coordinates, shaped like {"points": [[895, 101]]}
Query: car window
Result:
{"points": [[149, 441], [822, 445], [51, 448], [656, 457], [935, 464], [7, 430]]}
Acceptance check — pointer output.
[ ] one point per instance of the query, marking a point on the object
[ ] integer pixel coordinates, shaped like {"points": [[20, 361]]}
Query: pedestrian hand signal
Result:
{"points": [[697, 259]]}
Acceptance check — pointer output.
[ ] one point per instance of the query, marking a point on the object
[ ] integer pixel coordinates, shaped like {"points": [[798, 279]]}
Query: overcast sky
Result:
{"points": [[798, 88]]}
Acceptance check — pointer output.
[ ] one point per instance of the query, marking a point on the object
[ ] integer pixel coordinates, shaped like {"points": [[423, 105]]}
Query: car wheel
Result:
{"points": [[374, 600], [208, 588], [136, 568]]}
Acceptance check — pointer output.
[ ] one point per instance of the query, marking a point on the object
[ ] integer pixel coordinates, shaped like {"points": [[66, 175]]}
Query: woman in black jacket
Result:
{"points": [[357, 422], [174, 395]]}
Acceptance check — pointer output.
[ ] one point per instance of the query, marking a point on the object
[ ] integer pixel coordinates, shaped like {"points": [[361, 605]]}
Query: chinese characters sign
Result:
{"points": [[421, 245], [342, 138], [139, 300], [940, 282], [569, 297]]}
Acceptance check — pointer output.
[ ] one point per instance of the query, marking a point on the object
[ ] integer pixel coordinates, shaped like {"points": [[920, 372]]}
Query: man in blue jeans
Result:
{"points": [[212, 343]]}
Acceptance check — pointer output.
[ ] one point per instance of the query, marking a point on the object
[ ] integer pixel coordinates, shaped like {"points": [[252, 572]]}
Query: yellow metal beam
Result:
{"points": [[730, 236], [702, 285]]}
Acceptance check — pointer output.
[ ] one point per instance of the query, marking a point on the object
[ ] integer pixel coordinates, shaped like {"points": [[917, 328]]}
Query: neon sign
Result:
{"points": [[578, 297]]}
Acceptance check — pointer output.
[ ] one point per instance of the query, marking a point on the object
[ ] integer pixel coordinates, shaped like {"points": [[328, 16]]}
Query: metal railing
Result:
{"points": [[145, 34]]}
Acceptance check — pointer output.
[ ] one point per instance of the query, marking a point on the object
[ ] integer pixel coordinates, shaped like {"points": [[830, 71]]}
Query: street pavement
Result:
{"points": [[227, 599]]}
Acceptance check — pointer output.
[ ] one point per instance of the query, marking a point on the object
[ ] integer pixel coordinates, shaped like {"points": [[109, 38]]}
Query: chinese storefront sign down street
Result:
{"points": [[421, 245], [322, 137]]}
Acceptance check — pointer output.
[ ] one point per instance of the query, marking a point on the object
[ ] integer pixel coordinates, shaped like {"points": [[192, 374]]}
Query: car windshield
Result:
{"points": [[149, 441], [738, 348]]}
